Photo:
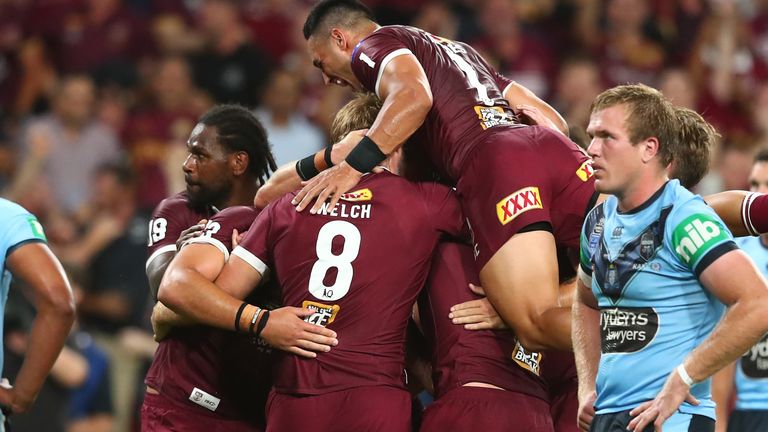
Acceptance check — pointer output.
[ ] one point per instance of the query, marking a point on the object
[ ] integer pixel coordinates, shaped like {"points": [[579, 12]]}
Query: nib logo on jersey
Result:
{"points": [[627, 330], [323, 314], [754, 363], [518, 203], [696, 235]]}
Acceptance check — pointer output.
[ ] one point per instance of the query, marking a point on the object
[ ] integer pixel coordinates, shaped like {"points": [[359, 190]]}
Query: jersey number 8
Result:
{"points": [[327, 260]]}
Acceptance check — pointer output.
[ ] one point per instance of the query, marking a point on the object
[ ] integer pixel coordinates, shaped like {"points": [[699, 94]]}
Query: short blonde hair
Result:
{"points": [[359, 113], [693, 150]]}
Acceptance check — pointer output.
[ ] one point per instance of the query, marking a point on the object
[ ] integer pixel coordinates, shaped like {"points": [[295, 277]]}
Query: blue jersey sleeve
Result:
{"points": [[697, 235], [591, 235], [19, 227]]}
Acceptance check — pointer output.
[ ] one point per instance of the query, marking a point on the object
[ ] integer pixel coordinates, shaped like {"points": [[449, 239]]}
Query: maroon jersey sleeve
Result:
{"points": [[172, 216], [254, 248], [373, 54], [443, 209], [218, 230], [754, 213], [501, 81]]}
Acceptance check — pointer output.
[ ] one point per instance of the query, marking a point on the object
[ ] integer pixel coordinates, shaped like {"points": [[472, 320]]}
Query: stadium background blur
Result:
{"points": [[97, 98]]}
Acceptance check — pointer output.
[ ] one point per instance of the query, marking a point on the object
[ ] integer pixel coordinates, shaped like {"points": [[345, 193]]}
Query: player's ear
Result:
{"points": [[238, 162], [338, 38], [651, 147]]}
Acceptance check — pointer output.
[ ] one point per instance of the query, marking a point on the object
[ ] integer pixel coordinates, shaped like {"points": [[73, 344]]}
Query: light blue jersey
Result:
{"points": [[18, 227], [752, 368], [653, 311]]}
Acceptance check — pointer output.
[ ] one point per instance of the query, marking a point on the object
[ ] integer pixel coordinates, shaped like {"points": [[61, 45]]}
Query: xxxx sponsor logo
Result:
{"points": [[358, 195], [323, 314], [585, 171], [518, 203]]}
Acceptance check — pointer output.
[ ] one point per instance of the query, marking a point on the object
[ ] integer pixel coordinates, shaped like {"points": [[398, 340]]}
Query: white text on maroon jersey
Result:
{"points": [[345, 210]]}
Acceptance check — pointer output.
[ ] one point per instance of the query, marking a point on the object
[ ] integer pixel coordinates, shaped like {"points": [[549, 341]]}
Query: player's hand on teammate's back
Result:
{"points": [[190, 233], [286, 330], [586, 411], [531, 115], [477, 314], [331, 183], [657, 411]]}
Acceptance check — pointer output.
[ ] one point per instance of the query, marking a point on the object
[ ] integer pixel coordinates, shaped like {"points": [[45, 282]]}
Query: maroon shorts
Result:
{"points": [[520, 177], [158, 414], [474, 409], [558, 370], [375, 408]]}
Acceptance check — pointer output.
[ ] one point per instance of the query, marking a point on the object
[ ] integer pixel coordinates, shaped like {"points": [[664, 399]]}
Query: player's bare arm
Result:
{"points": [[157, 266], [521, 281], [407, 99], [735, 281], [586, 348], [729, 205], [35, 264], [520, 99], [187, 289], [287, 179], [477, 314]]}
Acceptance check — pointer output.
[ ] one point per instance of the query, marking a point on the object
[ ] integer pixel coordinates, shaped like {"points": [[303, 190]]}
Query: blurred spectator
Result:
{"points": [[172, 35], [231, 69], [290, 133], [267, 18], [519, 53], [37, 80], [629, 47], [90, 407], [577, 86], [65, 146], [116, 295], [155, 135], [438, 19], [103, 37], [678, 86], [723, 66]]}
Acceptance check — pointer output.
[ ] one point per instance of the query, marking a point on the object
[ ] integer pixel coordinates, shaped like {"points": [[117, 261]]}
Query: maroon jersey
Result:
{"points": [[468, 103], [754, 213], [210, 369], [460, 356], [172, 216], [360, 265]]}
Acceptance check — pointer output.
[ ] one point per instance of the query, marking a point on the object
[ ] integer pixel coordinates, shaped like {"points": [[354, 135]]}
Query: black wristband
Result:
{"points": [[262, 323], [327, 156], [239, 314], [306, 168], [365, 156]]}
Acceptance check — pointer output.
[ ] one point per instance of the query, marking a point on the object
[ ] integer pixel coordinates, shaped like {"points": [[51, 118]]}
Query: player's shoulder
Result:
{"points": [[236, 214], [9, 209], [176, 202], [686, 204]]}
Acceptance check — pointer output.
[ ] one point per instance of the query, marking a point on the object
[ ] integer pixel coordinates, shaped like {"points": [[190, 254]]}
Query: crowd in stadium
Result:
{"points": [[103, 101]]}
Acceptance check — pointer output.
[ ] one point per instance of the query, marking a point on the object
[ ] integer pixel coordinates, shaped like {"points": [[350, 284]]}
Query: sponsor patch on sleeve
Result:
{"points": [[518, 203], [493, 116], [36, 228], [323, 314], [695, 236], [358, 195], [585, 171], [528, 360]]}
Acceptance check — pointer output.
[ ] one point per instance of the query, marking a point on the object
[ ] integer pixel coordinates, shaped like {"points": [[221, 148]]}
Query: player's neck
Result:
{"points": [[242, 194], [638, 193]]}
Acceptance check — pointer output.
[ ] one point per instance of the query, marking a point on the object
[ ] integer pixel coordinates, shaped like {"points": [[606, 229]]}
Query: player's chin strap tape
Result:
{"points": [[365, 156], [306, 168]]}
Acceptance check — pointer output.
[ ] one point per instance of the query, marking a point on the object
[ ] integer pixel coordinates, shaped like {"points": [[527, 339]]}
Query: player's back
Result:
{"points": [[360, 266], [468, 103], [460, 356]]}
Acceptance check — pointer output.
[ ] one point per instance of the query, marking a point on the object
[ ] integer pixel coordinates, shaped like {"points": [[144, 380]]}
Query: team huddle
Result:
{"points": [[453, 243]]}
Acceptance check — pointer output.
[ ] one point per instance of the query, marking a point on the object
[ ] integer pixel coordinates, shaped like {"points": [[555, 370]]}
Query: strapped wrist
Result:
{"points": [[365, 156]]}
